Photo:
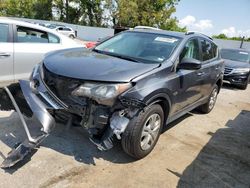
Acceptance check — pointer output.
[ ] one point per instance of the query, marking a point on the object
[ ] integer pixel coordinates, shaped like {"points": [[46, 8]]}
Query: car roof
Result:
{"points": [[27, 24], [172, 33]]}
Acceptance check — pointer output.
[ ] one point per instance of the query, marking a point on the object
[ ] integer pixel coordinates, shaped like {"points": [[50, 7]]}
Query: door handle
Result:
{"points": [[200, 73], [4, 55]]}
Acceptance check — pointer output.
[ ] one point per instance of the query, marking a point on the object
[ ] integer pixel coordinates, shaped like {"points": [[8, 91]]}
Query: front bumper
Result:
{"points": [[38, 108], [236, 79]]}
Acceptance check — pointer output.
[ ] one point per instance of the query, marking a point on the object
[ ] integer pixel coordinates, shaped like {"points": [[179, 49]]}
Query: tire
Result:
{"points": [[138, 131], [208, 107], [244, 86], [71, 36]]}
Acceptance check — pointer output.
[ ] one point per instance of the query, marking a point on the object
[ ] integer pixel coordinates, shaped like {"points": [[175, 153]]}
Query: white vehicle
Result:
{"points": [[23, 45], [63, 30]]}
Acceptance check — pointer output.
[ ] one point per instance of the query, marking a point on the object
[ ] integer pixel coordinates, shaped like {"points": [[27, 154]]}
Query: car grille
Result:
{"points": [[62, 87], [227, 70]]}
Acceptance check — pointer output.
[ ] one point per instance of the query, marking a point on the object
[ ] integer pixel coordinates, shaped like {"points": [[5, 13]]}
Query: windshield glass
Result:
{"points": [[235, 55], [143, 47]]}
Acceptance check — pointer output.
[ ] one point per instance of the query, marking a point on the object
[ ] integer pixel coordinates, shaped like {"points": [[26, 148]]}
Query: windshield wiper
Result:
{"points": [[99, 51], [117, 55], [125, 57]]}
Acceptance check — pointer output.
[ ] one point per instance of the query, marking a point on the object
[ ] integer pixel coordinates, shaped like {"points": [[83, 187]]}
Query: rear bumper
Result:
{"points": [[38, 107]]}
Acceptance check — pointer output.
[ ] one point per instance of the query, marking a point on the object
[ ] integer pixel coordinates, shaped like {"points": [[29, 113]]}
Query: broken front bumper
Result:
{"points": [[40, 111]]}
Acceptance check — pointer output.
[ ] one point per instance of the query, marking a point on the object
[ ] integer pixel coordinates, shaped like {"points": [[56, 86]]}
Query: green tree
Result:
{"points": [[91, 12], [43, 9], [39, 9], [155, 13], [220, 36], [17, 8]]}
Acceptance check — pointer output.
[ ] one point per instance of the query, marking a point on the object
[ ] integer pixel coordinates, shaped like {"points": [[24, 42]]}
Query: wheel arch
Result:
{"points": [[219, 84], [163, 100]]}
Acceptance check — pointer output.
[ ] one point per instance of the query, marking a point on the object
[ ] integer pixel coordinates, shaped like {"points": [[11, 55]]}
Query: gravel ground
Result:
{"points": [[195, 151]]}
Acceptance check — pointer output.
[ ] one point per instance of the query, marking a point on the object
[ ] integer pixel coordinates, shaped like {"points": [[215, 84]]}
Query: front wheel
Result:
{"points": [[207, 107], [142, 133], [244, 86]]}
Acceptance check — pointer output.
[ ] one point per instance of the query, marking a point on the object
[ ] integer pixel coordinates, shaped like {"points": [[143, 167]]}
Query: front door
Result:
{"points": [[188, 84]]}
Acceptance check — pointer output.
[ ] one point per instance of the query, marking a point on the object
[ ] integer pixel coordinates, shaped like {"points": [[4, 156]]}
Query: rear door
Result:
{"points": [[211, 66], [188, 85], [6, 54], [30, 47]]}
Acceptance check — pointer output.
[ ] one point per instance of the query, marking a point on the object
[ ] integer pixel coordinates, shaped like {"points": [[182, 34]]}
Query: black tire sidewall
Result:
{"points": [[137, 125]]}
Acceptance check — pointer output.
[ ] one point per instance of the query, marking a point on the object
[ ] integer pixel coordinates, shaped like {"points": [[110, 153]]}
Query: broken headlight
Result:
{"points": [[102, 93]]}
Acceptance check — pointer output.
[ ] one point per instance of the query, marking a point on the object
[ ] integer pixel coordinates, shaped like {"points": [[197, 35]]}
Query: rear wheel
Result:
{"points": [[206, 108], [71, 36], [142, 133]]}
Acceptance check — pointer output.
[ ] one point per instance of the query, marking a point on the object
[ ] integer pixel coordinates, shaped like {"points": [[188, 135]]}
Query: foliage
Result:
{"points": [[127, 13], [225, 37], [155, 13]]}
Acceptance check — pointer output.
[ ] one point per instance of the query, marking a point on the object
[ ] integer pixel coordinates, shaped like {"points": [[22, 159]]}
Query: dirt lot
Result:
{"points": [[195, 151]]}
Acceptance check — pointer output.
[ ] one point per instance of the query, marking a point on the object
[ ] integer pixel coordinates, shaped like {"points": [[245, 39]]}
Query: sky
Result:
{"points": [[212, 17]]}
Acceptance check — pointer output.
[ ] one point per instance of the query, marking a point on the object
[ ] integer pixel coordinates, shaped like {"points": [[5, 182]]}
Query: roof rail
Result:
{"points": [[146, 27], [193, 32]]}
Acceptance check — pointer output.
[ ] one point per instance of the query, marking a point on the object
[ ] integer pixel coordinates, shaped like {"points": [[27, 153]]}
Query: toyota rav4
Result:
{"points": [[127, 87]]}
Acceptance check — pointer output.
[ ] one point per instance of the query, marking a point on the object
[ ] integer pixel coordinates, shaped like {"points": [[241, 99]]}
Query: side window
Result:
{"points": [[66, 29], [215, 49], [208, 50], [191, 50], [29, 35], [53, 38], [4, 31]]}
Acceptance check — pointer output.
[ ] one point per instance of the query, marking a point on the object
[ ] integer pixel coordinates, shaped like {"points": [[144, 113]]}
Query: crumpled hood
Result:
{"points": [[85, 64], [236, 64]]}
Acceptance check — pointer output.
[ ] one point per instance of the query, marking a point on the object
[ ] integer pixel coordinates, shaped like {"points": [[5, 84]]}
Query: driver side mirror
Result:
{"points": [[189, 64]]}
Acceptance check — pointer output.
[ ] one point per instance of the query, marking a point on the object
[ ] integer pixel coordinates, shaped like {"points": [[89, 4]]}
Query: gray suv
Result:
{"points": [[128, 87]]}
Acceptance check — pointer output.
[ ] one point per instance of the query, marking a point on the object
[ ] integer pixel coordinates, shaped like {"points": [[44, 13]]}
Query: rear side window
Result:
{"points": [[191, 50], [53, 38], [209, 50], [215, 50], [66, 29], [29, 35], [4, 31]]}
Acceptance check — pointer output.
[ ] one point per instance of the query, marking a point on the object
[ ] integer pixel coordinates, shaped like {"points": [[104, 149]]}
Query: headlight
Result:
{"points": [[35, 71], [241, 70], [102, 93]]}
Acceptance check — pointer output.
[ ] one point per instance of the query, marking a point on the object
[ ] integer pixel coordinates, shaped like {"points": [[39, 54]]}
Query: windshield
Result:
{"points": [[235, 55], [141, 47]]}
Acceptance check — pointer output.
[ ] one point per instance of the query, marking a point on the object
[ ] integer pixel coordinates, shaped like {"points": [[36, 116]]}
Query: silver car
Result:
{"points": [[23, 45], [63, 30]]}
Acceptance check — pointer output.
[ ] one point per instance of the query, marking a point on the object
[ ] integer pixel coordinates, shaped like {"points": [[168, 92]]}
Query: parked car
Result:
{"points": [[128, 87], [92, 44], [63, 30], [23, 45], [237, 67]]}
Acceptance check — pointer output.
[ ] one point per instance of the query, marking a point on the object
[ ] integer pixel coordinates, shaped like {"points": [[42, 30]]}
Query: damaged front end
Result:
{"points": [[98, 107]]}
